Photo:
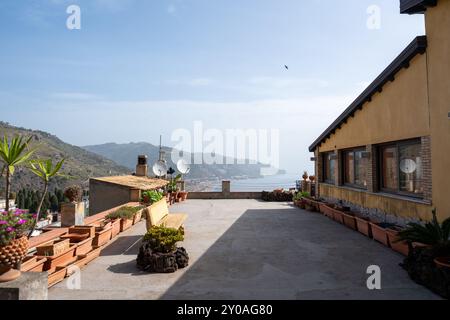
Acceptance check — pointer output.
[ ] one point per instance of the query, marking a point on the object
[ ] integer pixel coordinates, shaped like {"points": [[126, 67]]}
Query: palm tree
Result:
{"points": [[45, 170], [13, 154]]}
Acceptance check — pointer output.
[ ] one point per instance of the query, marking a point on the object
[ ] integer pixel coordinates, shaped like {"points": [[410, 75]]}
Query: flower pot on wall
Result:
{"points": [[442, 262], [137, 217], [125, 224], [338, 216], [115, 228], [11, 257], [72, 214], [84, 247], [60, 260], [401, 247], [103, 236]]}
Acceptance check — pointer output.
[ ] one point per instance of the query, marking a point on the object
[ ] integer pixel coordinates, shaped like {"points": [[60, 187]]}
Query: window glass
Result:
{"points": [[361, 166], [329, 167], [390, 168], [410, 163], [349, 165]]}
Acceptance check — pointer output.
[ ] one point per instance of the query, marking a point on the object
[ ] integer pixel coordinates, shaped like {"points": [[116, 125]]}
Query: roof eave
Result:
{"points": [[417, 46], [416, 6]]}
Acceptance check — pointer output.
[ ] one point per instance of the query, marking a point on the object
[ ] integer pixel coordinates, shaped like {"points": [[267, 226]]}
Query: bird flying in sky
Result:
{"points": [[287, 68]]}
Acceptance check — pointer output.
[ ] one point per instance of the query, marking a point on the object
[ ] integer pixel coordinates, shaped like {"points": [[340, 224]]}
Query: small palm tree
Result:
{"points": [[13, 154], [432, 233], [45, 170]]}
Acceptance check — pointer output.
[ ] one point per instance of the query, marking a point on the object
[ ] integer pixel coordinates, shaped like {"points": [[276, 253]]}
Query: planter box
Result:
{"points": [[350, 221], [33, 264], [57, 276], [84, 247], [102, 237], [379, 234], [85, 259], [115, 225], [53, 248], [137, 217], [401, 247], [125, 224], [90, 230], [326, 210], [313, 204], [338, 216], [61, 260], [363, 226], [75, 238], [442, 263]]}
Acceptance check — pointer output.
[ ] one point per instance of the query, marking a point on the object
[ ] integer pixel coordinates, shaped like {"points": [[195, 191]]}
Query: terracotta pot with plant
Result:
{"points": [[14, 226]]}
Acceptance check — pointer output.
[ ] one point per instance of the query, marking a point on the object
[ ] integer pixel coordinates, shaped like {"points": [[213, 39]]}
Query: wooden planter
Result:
{"points": [[102, 237], [379, 234], [363, 226], [350, 221], [401, 247], [137, 217], [84, 247], [33, 264], [125, 224], [58, 276], [327, 211], [61, 260], [53, 248], [85, 259], [115, 228]]}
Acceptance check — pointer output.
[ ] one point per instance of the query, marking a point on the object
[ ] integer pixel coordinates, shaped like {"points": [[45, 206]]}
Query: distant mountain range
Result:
{"points": [[80, 164], [126, 155]]}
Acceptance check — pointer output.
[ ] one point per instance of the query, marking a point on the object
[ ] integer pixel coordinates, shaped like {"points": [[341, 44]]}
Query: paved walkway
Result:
{"points": [[246, 249]]}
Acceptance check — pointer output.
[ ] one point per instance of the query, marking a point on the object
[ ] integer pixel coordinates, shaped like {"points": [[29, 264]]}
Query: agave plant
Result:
{"points": [[13, 154], [432, 233]]}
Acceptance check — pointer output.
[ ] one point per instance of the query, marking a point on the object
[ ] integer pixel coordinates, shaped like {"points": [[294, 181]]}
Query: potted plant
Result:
{"points": [[431, 235], [159, 252], [379, 231], [14, 227], [363, 225], [125, 215], [151, 196], [401, 246], [349, 220], [173, 189], [73, 211], [103, 233], [298, 200]]}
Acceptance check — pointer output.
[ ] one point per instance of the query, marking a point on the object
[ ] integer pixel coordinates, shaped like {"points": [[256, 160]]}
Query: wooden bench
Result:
{"points": [[158, 215]]}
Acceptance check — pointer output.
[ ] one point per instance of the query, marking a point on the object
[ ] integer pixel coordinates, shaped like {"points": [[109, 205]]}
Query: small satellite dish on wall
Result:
{"points": [[160, 169], [183, 166]]}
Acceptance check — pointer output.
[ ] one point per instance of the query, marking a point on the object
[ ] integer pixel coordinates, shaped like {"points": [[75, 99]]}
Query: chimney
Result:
{"points": [[142, 168]]}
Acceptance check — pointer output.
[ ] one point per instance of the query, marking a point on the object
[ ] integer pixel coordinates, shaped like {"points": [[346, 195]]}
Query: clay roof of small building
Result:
{"points": [[134, 182]]}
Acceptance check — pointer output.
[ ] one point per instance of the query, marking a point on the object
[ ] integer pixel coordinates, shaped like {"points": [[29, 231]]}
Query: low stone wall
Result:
{"points": [[224, 195]]}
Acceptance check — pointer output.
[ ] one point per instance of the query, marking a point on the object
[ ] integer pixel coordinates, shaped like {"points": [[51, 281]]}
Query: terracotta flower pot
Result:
{"points": [[90, 230], [363, 226], [349, 221], [379, 234], [137, 217], [33, 264], [58, 276], [401, 247], [85, 259], [61, 260], [338, 216], [10, 258], [125, 224], [53, 248], [102, 237], [84, 247], [115, 228], [442, 262], [183, 195]]}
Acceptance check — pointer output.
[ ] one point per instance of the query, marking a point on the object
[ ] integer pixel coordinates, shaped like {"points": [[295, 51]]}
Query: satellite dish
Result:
{"points": [[183, 166], [160, 169]]}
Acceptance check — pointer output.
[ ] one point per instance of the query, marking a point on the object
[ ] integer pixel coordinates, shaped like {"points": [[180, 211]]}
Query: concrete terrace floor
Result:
{"points": [[247, 249]]}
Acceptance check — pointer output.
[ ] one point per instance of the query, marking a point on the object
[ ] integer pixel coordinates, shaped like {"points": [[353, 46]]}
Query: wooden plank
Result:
{"points": [[174, 220]]}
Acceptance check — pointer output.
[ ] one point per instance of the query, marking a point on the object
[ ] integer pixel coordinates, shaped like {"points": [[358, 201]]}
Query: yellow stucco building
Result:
{"points": [[389, 152]]}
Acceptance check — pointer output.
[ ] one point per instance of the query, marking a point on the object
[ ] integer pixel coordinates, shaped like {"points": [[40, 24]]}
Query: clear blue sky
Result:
{"points": [[140, 68]]}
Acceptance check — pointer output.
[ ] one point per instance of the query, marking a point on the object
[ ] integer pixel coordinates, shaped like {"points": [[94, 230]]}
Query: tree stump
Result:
{"points": [[158, 262]]}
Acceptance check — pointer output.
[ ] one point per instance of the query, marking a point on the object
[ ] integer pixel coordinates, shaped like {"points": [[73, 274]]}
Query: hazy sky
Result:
{"points": [[137, 69]]}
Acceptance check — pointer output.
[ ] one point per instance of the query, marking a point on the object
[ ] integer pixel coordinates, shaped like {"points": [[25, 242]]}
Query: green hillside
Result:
{"points": [[80, 164]]}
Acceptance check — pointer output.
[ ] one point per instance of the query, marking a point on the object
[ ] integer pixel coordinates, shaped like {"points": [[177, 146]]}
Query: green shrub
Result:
{"points": [[162, 239], [152, 196], [301, 195], [432, 233], [124, 213]]}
